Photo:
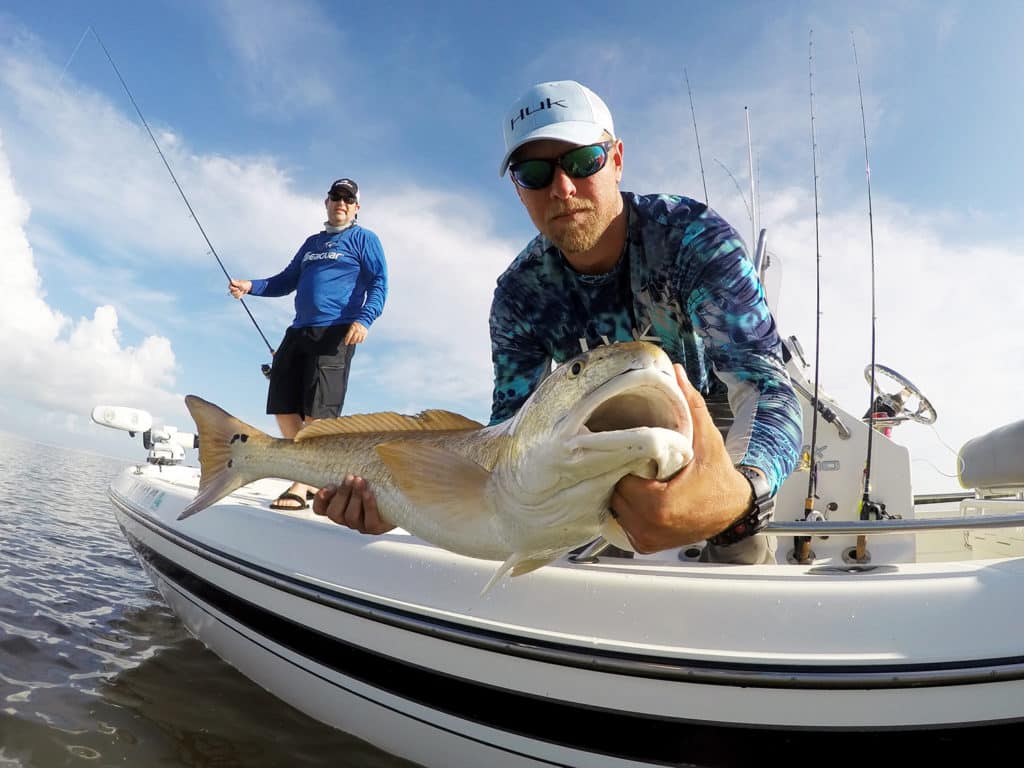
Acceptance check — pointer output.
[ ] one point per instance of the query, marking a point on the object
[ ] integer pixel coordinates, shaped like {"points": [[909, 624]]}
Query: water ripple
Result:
{"points": [[94, 668]]}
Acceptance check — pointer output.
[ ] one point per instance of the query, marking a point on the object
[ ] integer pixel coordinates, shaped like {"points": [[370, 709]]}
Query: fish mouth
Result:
{"points": [[638, 397]]}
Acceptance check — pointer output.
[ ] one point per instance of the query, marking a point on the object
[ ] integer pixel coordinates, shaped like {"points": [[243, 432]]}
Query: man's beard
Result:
{"points": [[575, 236]]}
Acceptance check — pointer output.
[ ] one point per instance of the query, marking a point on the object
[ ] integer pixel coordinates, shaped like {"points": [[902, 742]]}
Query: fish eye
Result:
{"points": [[575, 369]]}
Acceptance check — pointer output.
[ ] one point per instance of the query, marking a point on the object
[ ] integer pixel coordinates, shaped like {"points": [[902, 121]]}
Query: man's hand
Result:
{"points": [[356, 333], [238, 288], [701, 501], [351, 504]]}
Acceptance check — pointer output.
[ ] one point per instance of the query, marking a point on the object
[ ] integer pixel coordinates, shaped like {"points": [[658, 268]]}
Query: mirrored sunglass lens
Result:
{"points": [[583, 162], [533, 174]]}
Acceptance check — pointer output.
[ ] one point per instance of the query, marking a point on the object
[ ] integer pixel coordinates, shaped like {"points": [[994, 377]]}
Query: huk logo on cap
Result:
{"points": [[562, 110], [525, 112]]}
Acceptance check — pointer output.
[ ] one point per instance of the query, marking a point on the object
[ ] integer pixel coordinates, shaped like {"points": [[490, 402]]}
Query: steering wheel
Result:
{"points": [[907, 403]]}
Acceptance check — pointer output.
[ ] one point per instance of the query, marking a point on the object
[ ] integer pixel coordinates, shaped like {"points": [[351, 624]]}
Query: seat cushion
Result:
{"points": [[994, 460]]}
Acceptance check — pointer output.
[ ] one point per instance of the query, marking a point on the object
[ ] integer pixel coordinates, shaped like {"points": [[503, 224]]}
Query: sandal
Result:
{"points": [[288, 496]]}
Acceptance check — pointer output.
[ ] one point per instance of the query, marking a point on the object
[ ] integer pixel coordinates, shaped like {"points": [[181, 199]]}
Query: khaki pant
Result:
{"points": [[755, 550]]}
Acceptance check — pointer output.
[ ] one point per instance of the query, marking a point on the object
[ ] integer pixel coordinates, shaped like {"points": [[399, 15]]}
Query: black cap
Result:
{"points": [[345, 187]]}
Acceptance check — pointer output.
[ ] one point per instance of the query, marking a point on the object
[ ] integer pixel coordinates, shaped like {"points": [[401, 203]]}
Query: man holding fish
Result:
{"points": [[611, 266]]}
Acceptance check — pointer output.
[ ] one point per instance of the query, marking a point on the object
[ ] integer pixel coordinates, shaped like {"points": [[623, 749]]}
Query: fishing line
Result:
{"points": [[739, 189], [948, 447], [176, 184], [937, 470], [700, 159], [72, 56]]}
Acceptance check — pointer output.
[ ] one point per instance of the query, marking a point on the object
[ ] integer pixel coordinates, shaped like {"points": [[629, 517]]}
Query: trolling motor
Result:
{"points": [[166, 445]]}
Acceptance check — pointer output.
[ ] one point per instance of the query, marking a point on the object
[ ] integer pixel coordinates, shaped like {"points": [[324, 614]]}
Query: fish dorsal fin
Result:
{"points": [[448, 487], [388, 421], [518, 564]]}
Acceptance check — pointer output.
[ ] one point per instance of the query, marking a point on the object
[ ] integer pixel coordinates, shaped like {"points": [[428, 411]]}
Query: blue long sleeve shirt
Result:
{"points": [[337, 277], [685, 282]]}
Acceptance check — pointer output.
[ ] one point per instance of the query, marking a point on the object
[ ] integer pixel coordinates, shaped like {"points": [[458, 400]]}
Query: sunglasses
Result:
{"points": [[336, 197], [577, 163]]}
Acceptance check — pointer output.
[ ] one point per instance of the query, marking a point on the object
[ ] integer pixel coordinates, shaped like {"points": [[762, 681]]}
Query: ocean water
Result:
{"points": [[95, 670]]}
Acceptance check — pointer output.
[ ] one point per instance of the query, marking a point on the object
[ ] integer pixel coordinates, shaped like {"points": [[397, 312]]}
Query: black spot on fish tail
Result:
{"points": [[218, 430]]}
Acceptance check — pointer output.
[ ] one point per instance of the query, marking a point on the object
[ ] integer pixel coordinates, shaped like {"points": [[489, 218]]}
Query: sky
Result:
{"points": [[112, 296]]}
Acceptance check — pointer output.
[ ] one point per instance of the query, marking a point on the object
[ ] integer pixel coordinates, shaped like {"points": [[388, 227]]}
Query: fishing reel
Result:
{"points": [[266, 370]]}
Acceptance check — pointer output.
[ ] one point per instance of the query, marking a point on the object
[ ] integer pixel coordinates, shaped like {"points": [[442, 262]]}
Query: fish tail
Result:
{"points": [[219, 434]]}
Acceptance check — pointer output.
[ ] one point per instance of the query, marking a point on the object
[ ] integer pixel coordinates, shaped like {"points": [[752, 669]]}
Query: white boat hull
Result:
{"points": [[614, 662]]}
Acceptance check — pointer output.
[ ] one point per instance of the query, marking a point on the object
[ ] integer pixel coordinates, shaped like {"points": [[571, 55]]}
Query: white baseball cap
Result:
{"points": [[563, 110]]}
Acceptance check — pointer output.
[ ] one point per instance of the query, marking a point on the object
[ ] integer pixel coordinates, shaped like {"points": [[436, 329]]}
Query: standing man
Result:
{"points": [[340, 281], [612, 266]]}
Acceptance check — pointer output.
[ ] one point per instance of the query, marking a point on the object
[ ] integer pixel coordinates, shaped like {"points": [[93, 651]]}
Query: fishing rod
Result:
{"points": [[700, 158], [266, 369], [802, 544], [758, 176], [868, 508], [750, 169]]}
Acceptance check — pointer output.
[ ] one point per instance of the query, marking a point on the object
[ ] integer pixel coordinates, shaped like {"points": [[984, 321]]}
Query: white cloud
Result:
{"points": [[941, 309], [291, 51], [57, 364], [946, 19], [23, 311], [442, 275], [95, 169]]}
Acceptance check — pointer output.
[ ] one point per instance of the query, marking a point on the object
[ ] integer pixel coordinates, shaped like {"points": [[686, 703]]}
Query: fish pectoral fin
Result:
{"points": [[525, 566], [612, 532], [517, 564], [450, 487]]}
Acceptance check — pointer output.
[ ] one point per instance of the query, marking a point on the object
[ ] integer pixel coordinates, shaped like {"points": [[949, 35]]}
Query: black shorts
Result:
{"points": [[309, 375]]}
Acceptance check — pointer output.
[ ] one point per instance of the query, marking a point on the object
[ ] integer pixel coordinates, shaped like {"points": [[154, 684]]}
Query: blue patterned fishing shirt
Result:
{"points": [[684, 282]]}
